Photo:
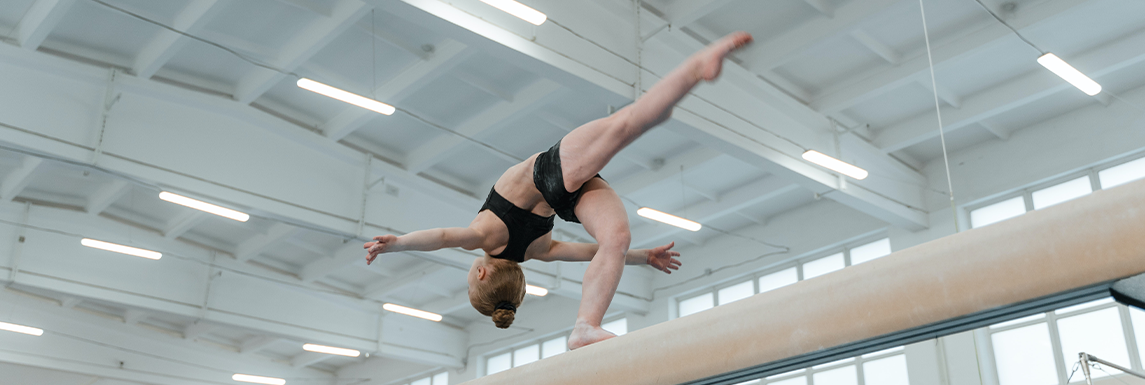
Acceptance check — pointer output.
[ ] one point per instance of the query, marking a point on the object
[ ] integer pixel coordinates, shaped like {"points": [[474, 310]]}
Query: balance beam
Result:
{"points": [[1081, 243]]}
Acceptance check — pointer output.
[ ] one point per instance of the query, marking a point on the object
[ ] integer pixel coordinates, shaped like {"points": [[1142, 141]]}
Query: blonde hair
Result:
{"points": [[500, 294]]}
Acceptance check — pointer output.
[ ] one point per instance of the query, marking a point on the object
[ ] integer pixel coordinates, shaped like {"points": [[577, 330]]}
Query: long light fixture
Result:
{"points": [[21, 329], [536, 290], [114, 247], [331, 350], [1072, 75], [835, 165], [258, 379], [670, 219], [348, 97], [204, 206], [519, 10], [412, 312]]}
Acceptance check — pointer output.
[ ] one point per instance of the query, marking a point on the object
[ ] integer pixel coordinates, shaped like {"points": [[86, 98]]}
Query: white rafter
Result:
{"points": [[17, 180], [766, 55], [682, 13], [167, 43], [304, 46], [305, 359], [879, 48], [445, 57], [348, 253], [254, 344], [40, 20], [184, 222], [106, 195], [385, 287], [255, 245]]}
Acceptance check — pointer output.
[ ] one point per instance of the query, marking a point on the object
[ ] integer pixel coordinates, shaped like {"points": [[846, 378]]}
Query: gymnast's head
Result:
{"points": [[496, 288]]}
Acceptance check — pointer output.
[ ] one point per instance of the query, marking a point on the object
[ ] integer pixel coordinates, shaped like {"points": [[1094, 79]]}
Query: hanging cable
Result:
{"points": [[938, 110]]}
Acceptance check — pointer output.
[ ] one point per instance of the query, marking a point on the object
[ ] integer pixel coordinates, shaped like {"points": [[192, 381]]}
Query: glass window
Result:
{"points": [[1098, 333], [441, 379], [499, 363], [424, 381], [1083, 306], [846, 375], [526, 355], [886, 371], [801, 380], [554, 347], [823, 266], [786, 374], [778, 279], [1139, 329], [696, 304], [1018, 321], [870, 251], [1059, 193], [997, 212], [618, 327], [1024, 356], [748, 382], [1121, 174], [886, 351], [833, 363], [735, 292]]}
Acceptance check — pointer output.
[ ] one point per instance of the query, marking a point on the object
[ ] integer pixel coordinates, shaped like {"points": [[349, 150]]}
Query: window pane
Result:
{"points": [[1018, 321], [1050, 196], [1024, 356], [846, 375], [882, 352], [748, 382], [1139, 329], [424, 381], [618, 327], [785, 374], [441, 379], [554, 347], [886, 371], [778, 279], [873, 250], [526, 355], [735, 293], [1083, 306], [997, 212], [696, 304], [823, 266], [1098, 333], [801, 380], [499, 363], [833, 363], [1121, 174]]}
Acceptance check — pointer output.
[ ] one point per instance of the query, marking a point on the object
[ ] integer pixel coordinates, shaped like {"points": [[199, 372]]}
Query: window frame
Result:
{"points": [[857, 361], [510, 349]]}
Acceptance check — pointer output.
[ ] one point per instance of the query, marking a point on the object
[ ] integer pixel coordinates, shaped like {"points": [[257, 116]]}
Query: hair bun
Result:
{"points": [[503, 318]]}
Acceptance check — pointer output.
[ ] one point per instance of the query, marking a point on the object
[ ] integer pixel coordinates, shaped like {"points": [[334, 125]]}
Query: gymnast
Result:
{"points": [[516, 222]]}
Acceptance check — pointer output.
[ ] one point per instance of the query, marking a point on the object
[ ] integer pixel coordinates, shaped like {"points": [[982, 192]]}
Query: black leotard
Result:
{"points": [[524, 226], [550, 181]]}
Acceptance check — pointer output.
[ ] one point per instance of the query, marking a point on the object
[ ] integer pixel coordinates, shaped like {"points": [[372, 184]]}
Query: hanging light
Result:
{"points": [[412, 312], [519, 10], [670, 219], [536, 290], [204, 206], [331, 350], [258, 379], [114, 247], [21, 329], [1072, 75], [836, 165], [348, 97]]}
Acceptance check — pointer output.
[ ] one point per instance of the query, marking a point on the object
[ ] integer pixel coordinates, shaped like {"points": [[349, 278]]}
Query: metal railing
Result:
{"points": [[1086, 360]]}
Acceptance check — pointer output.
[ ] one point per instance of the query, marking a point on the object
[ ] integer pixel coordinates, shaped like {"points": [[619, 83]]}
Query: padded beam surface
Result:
{"points": [[1080, 243]]}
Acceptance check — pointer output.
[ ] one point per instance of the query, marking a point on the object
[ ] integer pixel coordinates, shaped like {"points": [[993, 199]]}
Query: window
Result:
{"points": [[525, 355], [554, 347], [437, 379], [997, 212], [735, 292], [499, 363], [1122, 174], [1025, 349], [887, 367], [823, 266], [886, 371], [778, 279], [618, 327], [1062, 192], [870, 251], [696, 304]]}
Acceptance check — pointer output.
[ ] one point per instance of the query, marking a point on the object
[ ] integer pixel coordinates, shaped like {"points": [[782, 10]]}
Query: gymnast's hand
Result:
{"points": [[661, 258], [382, 244]]}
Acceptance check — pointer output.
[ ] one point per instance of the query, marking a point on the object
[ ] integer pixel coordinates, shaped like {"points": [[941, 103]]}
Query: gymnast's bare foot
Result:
{"points": [[711, 60], [583, 335]]}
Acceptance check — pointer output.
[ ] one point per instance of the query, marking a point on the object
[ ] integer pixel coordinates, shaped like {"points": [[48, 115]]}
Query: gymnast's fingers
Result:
{"points": [[368, 245]]}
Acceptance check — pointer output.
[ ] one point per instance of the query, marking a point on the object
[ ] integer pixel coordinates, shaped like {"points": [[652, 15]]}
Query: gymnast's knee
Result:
{"points": [[616, 241]]}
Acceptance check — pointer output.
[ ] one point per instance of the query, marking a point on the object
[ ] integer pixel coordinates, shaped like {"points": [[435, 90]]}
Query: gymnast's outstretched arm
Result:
{"points": [[425, 240], [660, 258]]}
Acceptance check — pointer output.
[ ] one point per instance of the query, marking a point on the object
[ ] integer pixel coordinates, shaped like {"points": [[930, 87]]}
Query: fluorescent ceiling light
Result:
{"points": [[670, 219], [835, 165], [331, 350], [536, 290], [258, 379], [21, 329], [519, 10], [412, 312], [1072, 75], [121, 248], [204, 206], [355, 99]]}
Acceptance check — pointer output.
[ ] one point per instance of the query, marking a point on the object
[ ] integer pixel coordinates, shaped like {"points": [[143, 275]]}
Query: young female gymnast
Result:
{"points": [[516, 221]]}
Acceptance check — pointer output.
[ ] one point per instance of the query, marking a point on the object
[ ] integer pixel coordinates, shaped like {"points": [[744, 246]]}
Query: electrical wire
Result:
{"points": [[1102, 369], [938, 110]]}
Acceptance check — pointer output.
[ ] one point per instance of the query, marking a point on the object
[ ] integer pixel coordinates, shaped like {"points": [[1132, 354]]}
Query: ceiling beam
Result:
{"points": [[671, 169], [383, 288], [349, 253], [824, 8], [183, 223], [733, 201], [305, 359], [39, 21], [445, 306], [774, 52], [529, 99], [257, 244], [106, 195], [446, 56], [879, 48], [305, 45], [164, 45], [254, 344], [681, 13], [134, 316], [1023, 90], [972, 40], [18, 179]]}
